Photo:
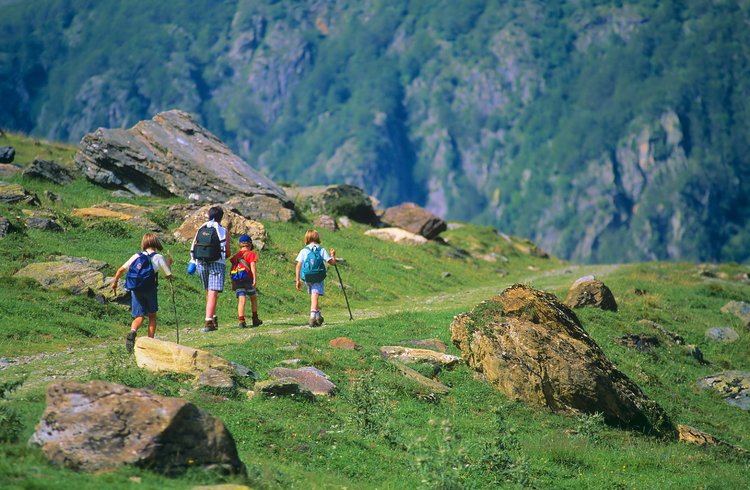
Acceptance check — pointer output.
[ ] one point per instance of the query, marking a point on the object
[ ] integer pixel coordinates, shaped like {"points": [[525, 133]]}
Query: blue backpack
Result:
{"points": [[314, 267], [141, 275]]}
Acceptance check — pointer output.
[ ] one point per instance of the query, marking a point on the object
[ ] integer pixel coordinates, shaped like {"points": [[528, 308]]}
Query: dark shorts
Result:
{"points": [[144, 303], [244, 288]]}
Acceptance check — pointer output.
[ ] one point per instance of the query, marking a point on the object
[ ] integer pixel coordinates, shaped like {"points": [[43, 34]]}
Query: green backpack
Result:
{"points": [[314, 267]]}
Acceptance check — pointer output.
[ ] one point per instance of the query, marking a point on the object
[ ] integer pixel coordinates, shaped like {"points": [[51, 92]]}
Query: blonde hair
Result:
{"points": [[312, 236], [150, 240]]}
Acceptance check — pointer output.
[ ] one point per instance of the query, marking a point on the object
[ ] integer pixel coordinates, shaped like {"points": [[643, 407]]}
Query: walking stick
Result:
{"points": [[174, 305], [344, 290]]}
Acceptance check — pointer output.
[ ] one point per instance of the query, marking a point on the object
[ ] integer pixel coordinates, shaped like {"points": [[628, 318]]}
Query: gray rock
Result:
{"points": [[14, 194], [588, 291], [52, 197], [43, 223], [445, 274], [325, 222], [641, 343], [170, 155], [48, 170], [734, 386], [740, 309], [8, 170], [214, 378], [434, 387], [677, 339], [336, 200], [4, 226], [312, 379], [263, 208], [722, 334], [78, 275], [123, 194], [102, 426], [415, 219], [7, 154], [283, 387]]}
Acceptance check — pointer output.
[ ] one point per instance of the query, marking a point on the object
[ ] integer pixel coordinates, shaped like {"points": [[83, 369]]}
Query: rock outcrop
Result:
{"points": [[336, 200], [101, 426], [260, 207], [415, 219], [533, 348], [50, 171], [170, 155], [588, 291], [235, 224]]}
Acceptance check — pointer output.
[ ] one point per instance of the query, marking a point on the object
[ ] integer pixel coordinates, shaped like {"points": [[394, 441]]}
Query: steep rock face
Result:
{"points": [[170, 155], [533, 348]]}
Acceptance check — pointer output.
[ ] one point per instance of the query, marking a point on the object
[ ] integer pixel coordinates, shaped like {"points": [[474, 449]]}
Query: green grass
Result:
{"points": [[380, 430]]}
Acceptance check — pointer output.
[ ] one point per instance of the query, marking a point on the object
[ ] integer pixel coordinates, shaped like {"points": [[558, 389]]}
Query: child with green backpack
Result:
{"points": [[311, 269]]}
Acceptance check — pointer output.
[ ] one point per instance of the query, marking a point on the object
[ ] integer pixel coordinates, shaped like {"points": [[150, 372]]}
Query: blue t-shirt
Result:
{"points": [[302, 256]]}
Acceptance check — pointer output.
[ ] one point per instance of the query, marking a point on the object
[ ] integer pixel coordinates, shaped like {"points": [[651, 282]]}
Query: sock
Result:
{"points": [[209, 319], [255, 314], [317, 314], [242, 318]]}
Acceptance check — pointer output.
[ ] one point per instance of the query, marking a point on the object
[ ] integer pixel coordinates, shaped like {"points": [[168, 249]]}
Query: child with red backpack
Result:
{"points": [[311, 269], [142, 281], [244, 277]]}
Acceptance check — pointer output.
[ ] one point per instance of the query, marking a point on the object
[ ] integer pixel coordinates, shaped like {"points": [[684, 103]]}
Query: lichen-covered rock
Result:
{"points": [[79, 275], [531, 347], [397, 235], [415, 219], [170, 155], [434, 387], [137, 215], [691, 435], [263, 208], [235, 224], [588, 291], [102, 426], [50, 171], [9, 170], [734, 386], [14, 193], [722, 334], [336, 200], [740, 309]]}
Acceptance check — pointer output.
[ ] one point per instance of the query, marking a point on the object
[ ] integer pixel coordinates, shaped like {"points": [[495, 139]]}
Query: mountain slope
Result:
{"points": [[601, 130]]}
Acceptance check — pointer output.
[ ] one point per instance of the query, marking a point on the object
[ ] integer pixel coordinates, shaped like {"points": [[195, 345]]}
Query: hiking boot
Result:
{"points": [[216, 322], [320, 320], [312, 323], [242, 324], [257, 322], [210, 326], [130, 341]]}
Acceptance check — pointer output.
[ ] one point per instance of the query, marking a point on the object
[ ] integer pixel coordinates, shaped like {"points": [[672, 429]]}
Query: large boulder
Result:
{"points": [[262, 208], [7, 154], [160, 355], [235, 224], [531, 347], [101, 426], [51, 171], [79, 275], [415, 219], [170, 155], [397, 235], [14, 193], [589, 291], [336, 200]]}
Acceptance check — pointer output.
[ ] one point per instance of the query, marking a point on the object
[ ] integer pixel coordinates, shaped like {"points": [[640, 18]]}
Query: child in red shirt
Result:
{"points": [[244, 278]]}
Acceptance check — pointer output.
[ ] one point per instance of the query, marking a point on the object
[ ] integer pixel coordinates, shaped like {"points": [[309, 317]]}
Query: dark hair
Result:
{"points": [[215, 214]]}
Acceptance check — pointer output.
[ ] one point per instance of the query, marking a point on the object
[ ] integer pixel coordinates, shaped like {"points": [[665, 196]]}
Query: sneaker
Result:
{"points": [[242, 324], [216, 322], [210, 326], [130, 341], [320, 320], [257, 322], [312, 323]]}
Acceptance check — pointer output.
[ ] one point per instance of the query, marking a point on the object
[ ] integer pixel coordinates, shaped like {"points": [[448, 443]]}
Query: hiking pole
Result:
{"points": [[344, 290], [174, 305]]}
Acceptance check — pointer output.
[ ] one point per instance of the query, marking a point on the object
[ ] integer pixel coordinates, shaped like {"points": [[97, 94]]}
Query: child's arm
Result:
{"points": [[332, 261], [118, 274], [254, 270], [298, 281]]}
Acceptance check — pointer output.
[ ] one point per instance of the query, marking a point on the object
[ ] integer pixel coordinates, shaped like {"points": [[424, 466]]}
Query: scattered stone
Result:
{"points": [[408, 355], [640, 292], [345, 222], [52, 197], [445, 275], [160, 355], [170, 155], [455, 253], [78, 275], [43, 223], [533, 348], [691, 435], [707, 270], [7, 154], [415, 219], [50, 171], [588, 291], [314, 380], [433, 344], [397, 235], [527, 247], [695, 352], [7, 170], [336, 200], [4, 226], [641, 343], [213, 378], [344, 343], [121, 211], [742, 277], [235, 224], [283, 387], [326, 222], [734, 386], [677, 339], [740, 309], [15, 194], [263, 208], [102, 426], [722, 334], [435, 387]]}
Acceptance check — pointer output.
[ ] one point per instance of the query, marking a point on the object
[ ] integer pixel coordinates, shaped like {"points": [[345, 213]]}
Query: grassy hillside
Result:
{"points": [[380, 431]]}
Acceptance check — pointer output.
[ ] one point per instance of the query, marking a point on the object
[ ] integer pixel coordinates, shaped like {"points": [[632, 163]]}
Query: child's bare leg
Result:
{"points": [[313, 301], [241, 306], [151, 324], [211, 297], [136, 324]]}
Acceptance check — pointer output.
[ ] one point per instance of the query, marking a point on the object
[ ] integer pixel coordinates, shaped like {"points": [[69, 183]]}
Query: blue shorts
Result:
{"points": [[315, 287], [143, 303], [244, 288]]}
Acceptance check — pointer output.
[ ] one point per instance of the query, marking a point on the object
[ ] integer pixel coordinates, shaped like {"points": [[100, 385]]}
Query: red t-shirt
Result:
{"points": [[249, 256]]}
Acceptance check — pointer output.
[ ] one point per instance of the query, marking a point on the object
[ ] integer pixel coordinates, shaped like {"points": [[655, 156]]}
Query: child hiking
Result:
{"points": [[244, 277], [142, 281], [210, 251], [311, 269]]}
